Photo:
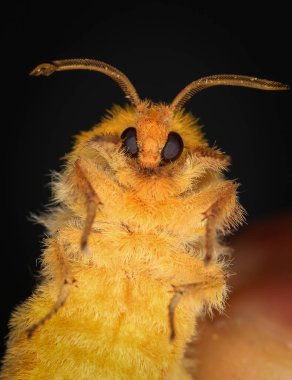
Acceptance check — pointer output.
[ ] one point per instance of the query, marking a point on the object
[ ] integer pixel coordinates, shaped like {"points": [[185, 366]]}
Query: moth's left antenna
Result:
{"points": [[47, 69]]}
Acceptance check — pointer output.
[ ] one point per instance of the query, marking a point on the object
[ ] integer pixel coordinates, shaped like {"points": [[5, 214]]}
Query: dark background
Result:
{"points": [[161, 47]]}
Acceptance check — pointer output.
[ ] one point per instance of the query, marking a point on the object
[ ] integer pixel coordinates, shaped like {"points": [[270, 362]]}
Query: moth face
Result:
{"points": [[150, 141], [149, 151]]}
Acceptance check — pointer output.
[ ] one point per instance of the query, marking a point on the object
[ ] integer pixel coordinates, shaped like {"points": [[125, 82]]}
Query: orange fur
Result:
{"points": [[132, 253], [148, 235]]}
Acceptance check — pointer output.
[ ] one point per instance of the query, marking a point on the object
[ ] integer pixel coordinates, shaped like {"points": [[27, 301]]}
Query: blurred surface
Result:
{"points": [[253, 340]]}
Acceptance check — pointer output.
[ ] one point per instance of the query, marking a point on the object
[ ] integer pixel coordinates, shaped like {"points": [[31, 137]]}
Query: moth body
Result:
{"points": [[132, 257]]}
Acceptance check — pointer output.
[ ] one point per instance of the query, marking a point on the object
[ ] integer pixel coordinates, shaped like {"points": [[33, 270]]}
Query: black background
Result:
{"points": [[161, 47]]}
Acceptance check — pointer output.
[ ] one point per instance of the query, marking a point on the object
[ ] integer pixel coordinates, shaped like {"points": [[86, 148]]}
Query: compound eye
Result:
{"points": [[173, 147], [129, 138]]}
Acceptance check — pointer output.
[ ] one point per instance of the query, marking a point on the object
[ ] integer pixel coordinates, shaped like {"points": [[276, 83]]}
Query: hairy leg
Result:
{"points": [[92, 202], [67, 280], [222, 213]]}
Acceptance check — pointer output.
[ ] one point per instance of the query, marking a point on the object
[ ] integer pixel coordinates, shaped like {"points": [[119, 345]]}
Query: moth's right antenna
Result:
{"points": [[223, 80]]}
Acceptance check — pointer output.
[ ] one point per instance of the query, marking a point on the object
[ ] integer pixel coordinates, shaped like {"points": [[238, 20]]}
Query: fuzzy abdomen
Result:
{"points": [[111, 327], [115, 323]]}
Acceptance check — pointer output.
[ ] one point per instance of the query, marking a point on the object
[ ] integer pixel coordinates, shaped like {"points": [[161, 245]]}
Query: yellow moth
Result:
{"points": [[134, 252]]}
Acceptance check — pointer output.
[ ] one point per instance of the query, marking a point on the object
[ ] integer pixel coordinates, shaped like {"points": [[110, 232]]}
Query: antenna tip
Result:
{"points": [[45, 69], [279, 86]]}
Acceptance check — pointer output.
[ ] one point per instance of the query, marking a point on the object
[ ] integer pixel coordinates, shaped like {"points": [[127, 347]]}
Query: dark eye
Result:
{"points": [[129, 138], [173, 147]]}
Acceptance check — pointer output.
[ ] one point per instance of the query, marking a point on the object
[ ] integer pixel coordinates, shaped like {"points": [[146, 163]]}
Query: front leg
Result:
{"points": [[211, 158], [92, 202], [223, 214], [224, 211]]}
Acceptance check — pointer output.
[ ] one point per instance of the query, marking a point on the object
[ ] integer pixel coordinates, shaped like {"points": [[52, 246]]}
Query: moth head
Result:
{"points": [[151, 140]]}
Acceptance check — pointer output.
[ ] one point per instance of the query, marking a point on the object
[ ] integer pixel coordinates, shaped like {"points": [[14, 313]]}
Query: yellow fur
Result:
{"points": [[148, 236]]}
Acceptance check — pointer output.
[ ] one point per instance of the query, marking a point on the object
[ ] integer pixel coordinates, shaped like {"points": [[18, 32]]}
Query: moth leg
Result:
{"points": [[182, 290], [67, 280], [92, 202], [211, 158], [216, 216], [171, 309]]}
